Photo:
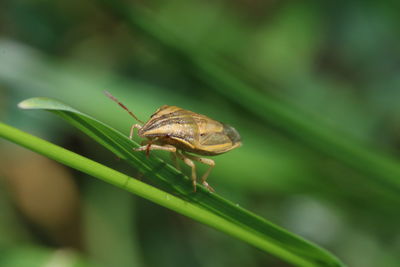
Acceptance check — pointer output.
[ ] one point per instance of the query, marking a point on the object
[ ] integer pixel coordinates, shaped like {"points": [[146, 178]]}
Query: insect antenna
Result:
{"points": [[122, 105]]}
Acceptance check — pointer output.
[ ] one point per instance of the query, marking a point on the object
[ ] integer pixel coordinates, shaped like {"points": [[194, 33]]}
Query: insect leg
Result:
{"points": [[175, 160], [156, 147], [190, 163], [134, 126], [208, 162]]}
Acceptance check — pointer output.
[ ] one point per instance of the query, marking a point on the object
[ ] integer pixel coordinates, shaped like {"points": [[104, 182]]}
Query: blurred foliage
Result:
{"points": [[338, 61]]}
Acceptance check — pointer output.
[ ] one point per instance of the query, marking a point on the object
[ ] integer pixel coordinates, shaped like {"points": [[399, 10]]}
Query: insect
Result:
{"points": [[184, 133]]}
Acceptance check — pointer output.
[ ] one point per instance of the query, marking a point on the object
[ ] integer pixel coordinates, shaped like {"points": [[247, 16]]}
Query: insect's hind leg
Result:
{"points": [[191, 164], [208, 162]]}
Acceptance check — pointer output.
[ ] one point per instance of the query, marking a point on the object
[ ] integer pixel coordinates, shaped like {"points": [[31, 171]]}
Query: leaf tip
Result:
{"points": [[24, 104]]}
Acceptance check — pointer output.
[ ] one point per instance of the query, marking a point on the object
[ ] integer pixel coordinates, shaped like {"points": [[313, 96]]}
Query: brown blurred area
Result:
{"points": [[45, 195]]}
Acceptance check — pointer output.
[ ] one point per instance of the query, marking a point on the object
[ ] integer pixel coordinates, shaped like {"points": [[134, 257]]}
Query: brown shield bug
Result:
{"points": [[184, 133]]}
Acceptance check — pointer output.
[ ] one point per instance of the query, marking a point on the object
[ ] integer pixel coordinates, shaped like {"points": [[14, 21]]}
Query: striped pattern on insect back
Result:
{"points": [[159, 123], [173, 122]]}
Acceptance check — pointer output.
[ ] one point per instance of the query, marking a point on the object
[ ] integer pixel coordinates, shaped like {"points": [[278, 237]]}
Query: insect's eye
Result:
{"points": [[202, 134]]}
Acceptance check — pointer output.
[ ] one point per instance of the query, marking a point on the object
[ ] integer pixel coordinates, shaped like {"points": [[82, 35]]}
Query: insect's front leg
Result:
{"points": [[134, 126], [156, 147], [206, 161]]}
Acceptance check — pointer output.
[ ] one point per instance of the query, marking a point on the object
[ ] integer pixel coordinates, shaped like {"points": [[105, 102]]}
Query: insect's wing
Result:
{"points": [[216, 137], [217, 143]]}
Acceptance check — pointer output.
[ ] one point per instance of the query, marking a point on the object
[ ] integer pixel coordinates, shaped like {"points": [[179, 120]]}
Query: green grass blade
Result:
{"points": [[135, 186], [215, 210]]}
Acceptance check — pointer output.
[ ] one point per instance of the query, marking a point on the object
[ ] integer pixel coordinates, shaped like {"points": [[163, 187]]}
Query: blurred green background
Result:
{"points": [[333, 67]]}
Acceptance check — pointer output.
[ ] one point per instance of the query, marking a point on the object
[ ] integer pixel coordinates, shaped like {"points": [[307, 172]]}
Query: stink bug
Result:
{"points": [[180, 131]]}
